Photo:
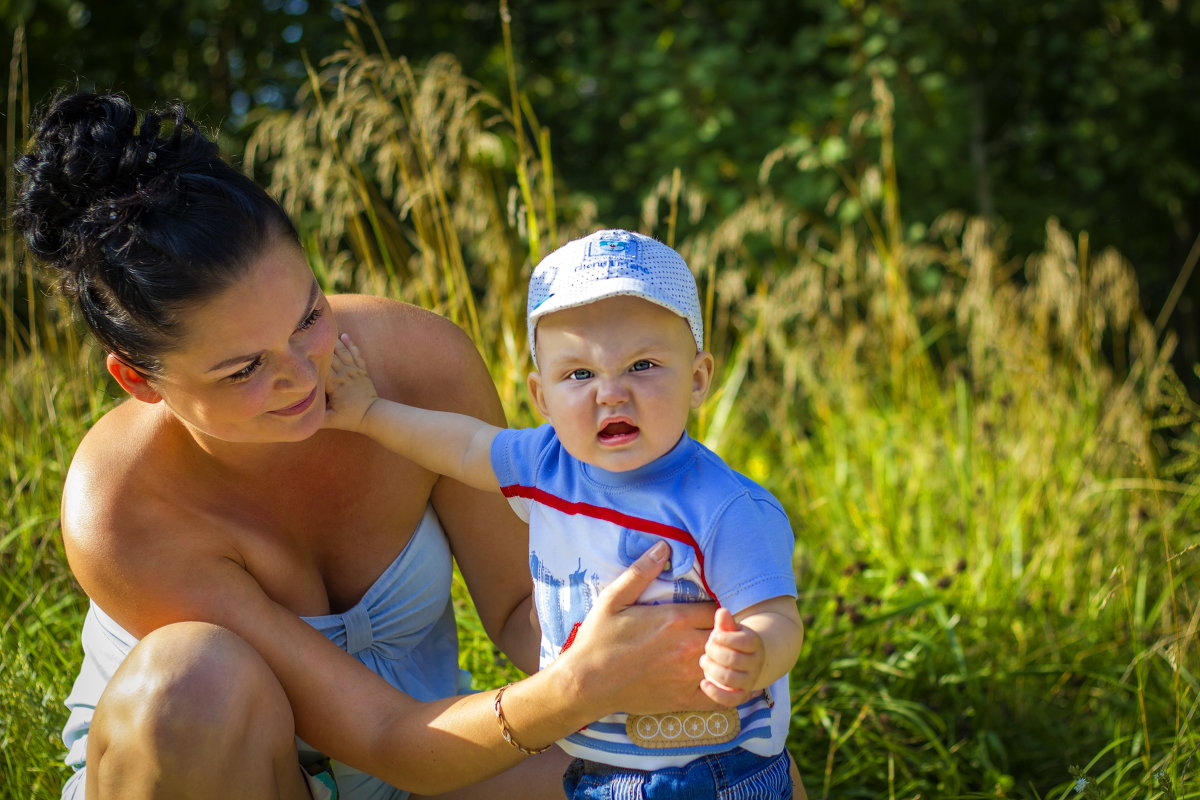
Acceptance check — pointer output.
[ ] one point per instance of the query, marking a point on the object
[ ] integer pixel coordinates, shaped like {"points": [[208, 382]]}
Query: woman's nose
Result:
{"points": [[296, 369]]}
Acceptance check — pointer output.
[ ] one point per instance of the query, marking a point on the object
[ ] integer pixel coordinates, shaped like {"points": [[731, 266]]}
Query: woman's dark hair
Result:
{"points": [[137, 221]]}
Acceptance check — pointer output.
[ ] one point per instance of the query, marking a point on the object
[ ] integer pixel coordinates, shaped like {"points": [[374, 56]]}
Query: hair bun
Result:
{"points": [[90, 168], [138, 220]]}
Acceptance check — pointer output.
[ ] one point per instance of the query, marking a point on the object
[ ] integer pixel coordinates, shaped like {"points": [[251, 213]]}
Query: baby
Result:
{"points": [[616, 335]]}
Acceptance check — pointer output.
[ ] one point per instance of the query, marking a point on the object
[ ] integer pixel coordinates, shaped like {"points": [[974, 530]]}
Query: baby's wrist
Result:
{"points": [[366, 418]]}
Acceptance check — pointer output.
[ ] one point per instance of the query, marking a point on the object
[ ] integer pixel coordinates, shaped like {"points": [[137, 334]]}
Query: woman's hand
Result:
{"points": [[635, 658]]}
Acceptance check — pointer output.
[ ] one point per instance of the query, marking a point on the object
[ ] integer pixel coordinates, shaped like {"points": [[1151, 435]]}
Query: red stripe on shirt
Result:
{"points": [[616, 517]]}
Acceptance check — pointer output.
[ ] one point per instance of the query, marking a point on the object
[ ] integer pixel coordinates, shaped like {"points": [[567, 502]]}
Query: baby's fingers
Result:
{"points": [[342, 357], [724, 695], [355, 355], [729, 669], [346, 356], [347, 364], [742, 641]]}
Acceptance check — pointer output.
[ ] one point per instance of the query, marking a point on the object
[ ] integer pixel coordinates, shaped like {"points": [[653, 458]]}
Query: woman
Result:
{"points": [[266, 592]]}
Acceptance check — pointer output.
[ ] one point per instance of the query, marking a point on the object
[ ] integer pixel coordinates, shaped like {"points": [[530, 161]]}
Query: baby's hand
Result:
{"points": [[733, 658], [349, 391]]}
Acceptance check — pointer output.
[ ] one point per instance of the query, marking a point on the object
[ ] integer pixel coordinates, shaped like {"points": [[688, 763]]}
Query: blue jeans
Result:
{"points": [[733, 775]]}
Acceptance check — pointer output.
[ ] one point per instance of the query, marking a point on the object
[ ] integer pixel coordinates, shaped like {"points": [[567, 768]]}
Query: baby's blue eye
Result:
{"points": [[640, 366], [580, 374]]}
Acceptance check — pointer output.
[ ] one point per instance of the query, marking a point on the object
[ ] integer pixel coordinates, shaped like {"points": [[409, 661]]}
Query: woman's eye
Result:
{"points": [[311, 319], [246, 371], [580, 374], [639, 366]]}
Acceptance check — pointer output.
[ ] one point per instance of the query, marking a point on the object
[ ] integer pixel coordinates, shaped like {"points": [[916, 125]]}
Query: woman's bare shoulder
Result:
{"points": [[124, 506], [417, 356], [108, 465], [379, 321]]}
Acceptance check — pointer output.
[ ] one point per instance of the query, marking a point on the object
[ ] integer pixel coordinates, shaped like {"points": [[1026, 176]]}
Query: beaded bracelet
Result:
{"points": [[507, 734]]}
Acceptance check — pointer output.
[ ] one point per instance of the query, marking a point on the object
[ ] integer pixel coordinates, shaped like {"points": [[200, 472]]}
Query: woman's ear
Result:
{"points": [[131, 380], [534, 383], [702, 374]]}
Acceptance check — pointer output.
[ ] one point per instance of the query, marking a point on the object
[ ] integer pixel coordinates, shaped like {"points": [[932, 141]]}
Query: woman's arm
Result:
{"points": [[341, 707]]}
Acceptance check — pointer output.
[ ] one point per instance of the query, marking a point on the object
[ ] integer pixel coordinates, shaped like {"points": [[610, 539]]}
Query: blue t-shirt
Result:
{"points": [[730, 540]]}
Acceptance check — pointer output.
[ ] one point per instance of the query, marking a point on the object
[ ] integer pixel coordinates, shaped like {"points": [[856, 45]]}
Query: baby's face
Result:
{"points": [[617, 380]]}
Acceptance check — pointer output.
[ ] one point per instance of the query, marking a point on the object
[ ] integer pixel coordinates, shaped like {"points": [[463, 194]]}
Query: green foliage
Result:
{"points": [[41, 608], [989, 461], [222, 57]]}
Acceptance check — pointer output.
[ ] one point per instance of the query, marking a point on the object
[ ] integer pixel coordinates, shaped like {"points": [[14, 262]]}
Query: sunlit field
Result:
{"points": [[989, 463]]}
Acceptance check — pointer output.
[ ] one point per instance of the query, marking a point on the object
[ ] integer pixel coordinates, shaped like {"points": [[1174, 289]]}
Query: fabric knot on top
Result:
{"points": [[403, 627], [359, 634]]}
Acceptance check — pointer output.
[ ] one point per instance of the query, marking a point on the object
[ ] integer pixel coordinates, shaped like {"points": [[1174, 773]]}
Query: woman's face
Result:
{"points": [[253, 360]]}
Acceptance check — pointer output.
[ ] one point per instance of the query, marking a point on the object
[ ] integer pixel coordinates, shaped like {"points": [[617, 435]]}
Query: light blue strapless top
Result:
{"points": [[402, 630]]}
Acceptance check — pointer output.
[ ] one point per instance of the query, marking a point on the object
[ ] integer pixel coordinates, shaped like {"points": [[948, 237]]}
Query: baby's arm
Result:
{"points": [[450, 444], [752, 650]]}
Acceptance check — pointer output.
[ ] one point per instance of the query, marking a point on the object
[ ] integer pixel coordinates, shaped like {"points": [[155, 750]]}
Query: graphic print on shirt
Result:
{"points": [[560, 603], [563, 603], [688, 592]]}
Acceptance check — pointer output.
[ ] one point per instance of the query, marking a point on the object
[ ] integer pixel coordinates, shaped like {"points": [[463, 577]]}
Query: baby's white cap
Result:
{"points": [[609, 263]]}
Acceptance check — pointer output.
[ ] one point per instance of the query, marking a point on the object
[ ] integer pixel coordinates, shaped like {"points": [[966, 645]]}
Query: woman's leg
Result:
{"points": [[193, 712], [798, 792]]}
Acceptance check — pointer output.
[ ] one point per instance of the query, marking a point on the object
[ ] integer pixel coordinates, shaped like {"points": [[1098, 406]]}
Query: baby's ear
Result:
{"points": [[536, 393], [132, 381], [702, 375]]}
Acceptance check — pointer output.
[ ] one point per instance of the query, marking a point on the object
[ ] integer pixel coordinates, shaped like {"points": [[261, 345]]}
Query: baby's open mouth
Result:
{"points": [[614, 431]]}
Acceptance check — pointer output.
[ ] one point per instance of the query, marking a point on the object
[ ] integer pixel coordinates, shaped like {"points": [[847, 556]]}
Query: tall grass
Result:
{"points": [[41, 608], [50, 397], [989, 464]]}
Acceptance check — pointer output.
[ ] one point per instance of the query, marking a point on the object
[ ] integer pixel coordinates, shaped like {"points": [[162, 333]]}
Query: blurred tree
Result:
{"points": [[201, 51], [1030, 110], [222, 57], [1018, 111]]}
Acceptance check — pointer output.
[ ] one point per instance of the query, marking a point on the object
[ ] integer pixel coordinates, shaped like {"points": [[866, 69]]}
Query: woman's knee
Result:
{"points": [[193, 686]]}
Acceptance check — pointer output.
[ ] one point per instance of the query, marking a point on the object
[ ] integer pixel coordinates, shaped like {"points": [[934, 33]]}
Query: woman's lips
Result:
{"points": [[298, 408]]}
